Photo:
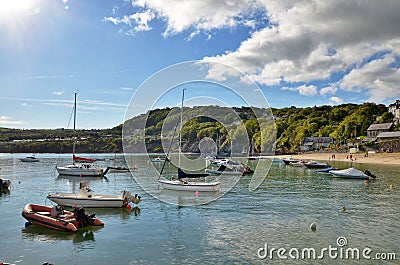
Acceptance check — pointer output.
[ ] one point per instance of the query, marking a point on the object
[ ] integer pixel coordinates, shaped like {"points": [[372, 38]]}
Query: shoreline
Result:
{"points": [[360, 158]]}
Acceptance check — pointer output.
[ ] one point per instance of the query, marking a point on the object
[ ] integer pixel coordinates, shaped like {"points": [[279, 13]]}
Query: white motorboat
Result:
{"points": [[87, 198], [29, 159], [351, 173]]}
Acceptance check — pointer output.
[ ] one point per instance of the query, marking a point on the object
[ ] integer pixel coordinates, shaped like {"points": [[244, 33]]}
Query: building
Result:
{"points": [[395, 109], [315, 143], [388, 136], [375, 129]]}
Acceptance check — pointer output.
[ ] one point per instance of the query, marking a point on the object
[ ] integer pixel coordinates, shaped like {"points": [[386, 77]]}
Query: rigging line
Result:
{"points": [[169, 149]]}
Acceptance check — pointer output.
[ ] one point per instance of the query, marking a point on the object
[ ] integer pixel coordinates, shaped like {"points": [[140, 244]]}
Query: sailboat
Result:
{"points": [[81, 166], [183, 183]]}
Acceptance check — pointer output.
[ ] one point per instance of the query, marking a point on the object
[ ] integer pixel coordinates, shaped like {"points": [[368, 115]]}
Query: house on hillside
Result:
{"points": [[314, 143], [395, 109], [388, 136], [375, 129]]}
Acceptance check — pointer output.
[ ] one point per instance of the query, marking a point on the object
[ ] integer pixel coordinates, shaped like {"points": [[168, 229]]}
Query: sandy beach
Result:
{"points": [[378, 158]]}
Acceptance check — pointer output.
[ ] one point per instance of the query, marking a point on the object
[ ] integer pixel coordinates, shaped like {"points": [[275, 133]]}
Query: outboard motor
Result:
{"points": [[369, 174], [82, 218]]}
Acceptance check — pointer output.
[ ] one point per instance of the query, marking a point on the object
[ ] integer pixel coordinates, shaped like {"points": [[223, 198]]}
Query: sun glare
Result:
{"points": [[14, 6]]}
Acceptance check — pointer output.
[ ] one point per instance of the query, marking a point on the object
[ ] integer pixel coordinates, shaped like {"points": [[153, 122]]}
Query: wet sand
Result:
{"points": [[378, 158]]}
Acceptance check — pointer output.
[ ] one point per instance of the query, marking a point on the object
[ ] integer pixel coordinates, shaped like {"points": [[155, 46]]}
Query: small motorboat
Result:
{"points": [[326, 170], [158, 159], [298, 164], [315, 164], [351, 173], [224, 170], [87, 198], [289, 160], [57, 218], [29, 159]]}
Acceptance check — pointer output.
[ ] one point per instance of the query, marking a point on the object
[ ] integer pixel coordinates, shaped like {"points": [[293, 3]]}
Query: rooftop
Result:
{"points": [[380, 126], [389, 135]]}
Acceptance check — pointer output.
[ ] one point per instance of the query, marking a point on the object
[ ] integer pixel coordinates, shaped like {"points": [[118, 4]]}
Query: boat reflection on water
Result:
{"points": [[44, 234], [187, 198]]}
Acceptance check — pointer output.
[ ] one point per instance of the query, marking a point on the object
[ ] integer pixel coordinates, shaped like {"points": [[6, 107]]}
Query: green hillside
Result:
{"points": [[343, 123]]}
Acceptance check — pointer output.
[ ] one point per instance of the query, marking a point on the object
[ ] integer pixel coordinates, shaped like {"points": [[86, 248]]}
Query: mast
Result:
{"points": [[73, 146], [180, 129]]}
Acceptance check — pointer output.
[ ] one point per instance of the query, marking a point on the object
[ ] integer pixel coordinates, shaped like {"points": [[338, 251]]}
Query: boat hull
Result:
{"points": [[190, 186], [78, 171], [227, 172], [288, 161], [94, 202], [27, 159]]}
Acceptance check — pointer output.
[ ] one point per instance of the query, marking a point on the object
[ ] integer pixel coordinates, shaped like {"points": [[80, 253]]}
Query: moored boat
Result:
{"points": [[224, 170], [351, 173], [87, 198], [81, 166], [181, 185], [59, 219], [29, 159], [315, 164], [298, 164], [289, 160], [326, 170]]}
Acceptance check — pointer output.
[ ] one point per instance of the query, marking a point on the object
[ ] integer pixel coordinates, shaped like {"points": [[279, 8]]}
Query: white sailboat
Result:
{"points": [[81, 166], [183, 183]]}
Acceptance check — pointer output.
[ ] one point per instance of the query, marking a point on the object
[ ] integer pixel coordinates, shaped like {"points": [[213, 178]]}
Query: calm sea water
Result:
{"points": [[231, 230]]}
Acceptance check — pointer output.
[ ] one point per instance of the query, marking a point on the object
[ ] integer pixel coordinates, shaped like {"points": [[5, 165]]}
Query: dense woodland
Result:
{"points": [[279, 130]]}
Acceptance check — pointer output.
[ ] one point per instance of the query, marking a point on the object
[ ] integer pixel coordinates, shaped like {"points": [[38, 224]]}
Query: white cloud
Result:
{"points": [[303, 90], [378, 78], [335, 101], [127, 88], [58, 93], [133, 23], [298, 41], [5, 120], [65, 2], [328, 90], [193, 15]]}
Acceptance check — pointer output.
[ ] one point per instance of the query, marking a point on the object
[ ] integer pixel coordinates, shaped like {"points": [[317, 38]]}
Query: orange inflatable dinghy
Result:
{"points": [[57, 218]]}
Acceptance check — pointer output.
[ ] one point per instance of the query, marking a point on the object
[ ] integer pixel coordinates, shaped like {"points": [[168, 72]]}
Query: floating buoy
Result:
{"points": [[366, 181], [391, 186], [197, 193], [344, 209], [128, 206], [313, 227]]}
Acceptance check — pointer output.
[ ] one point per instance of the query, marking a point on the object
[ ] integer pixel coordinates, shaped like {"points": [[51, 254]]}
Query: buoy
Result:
{"points": [[128, 206], [344, 209], [197, 193], [313, 227], [366, 181], [391, 186]]}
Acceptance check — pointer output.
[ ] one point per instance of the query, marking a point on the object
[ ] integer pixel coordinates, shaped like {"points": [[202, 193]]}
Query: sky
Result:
{"points": [[299, 53]]}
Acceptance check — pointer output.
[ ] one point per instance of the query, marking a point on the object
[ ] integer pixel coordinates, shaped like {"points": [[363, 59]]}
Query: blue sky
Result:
{"points": [[300, 53]]}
